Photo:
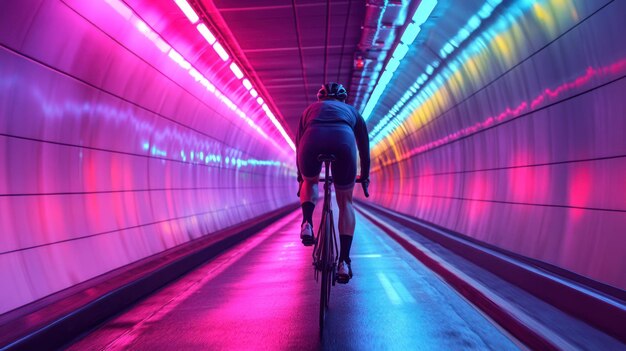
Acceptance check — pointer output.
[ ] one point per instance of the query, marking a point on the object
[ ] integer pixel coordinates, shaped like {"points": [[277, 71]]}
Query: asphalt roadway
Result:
{"points": [[261, 295]]}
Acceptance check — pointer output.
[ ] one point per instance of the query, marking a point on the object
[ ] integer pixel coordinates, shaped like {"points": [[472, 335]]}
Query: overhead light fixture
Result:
{"points": [[392, 65], [410, 33], [278, 126], [398, 112], [206, 33], [246, 83], [420, 16], [120, 8], [220, 51], [128, 14], [424, 10], [400, 51], [152, 35], [223, 54], [187, 10], [236, 70], [178, 58]]}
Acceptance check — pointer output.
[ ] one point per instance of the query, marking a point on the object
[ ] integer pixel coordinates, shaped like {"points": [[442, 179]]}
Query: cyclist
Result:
{"points": [[330, 126]]}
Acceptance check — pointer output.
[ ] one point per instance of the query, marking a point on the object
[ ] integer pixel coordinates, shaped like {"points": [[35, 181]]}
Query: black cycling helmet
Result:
{"points": [[332, 90]]}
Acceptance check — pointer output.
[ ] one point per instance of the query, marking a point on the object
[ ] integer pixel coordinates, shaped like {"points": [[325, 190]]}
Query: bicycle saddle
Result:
{"points": [[325, 157]]}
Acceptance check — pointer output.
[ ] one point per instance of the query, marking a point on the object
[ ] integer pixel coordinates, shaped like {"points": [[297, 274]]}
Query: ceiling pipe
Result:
{"points": [[378, 34]]}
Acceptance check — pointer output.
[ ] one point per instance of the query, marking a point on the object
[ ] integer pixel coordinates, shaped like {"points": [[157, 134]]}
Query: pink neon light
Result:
{"points": [[196, 75], [220, 51], [259, 100], [187, 10], [143, 28], [176, 57], [153, 36], [162, 45], [246, 83], [128, 14], [206, 33], [236, 70], [121, 8], [278, 126], [545, 97]]}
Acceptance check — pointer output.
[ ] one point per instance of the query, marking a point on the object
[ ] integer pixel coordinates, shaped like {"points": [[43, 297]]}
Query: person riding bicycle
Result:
{"points": [[330, 126]]}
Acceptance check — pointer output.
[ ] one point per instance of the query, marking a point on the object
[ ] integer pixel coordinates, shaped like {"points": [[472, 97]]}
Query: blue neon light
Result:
{"points": [[420, 16], [424, 10], [409, 101], [410, 33], [392, 65]]}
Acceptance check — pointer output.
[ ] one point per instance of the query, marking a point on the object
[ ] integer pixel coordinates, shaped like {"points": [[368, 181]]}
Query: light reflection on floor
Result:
{"points": [[262, 295]]}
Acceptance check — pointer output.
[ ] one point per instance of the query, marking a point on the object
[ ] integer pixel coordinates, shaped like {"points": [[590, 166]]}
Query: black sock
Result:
{"points": [[307, 212], [346, 243]]}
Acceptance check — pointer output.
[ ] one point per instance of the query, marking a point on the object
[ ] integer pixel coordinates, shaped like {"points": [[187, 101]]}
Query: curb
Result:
{"points": [[516, 322]]}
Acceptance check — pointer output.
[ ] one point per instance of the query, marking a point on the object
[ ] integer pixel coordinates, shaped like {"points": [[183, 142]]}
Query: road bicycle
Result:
{"points": [[325, 252]]}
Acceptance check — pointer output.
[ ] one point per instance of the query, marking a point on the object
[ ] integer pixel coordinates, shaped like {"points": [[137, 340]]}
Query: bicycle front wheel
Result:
{"points": [[326, 271]]}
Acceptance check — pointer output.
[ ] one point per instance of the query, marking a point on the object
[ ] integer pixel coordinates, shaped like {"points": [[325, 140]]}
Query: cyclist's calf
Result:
{"points": [[346, 211], [310, 190]]}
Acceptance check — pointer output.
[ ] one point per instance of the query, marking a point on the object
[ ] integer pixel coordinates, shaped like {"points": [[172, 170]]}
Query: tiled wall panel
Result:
{"points": [[97, 131], [528, 153]]}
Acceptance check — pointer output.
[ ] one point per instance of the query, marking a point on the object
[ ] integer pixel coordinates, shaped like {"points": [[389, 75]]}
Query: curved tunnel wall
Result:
{"points": [[111, 153], [518, 139]]}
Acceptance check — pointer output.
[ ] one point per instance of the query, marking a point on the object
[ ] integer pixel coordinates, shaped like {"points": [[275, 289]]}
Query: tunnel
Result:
{"points": [[148, 197]]}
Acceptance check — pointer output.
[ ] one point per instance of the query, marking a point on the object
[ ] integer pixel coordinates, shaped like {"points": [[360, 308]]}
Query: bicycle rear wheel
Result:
{"points": [[326, 270]]}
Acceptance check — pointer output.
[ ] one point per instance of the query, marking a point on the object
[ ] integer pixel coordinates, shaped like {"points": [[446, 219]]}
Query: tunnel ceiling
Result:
{"points": [[284, 44]]}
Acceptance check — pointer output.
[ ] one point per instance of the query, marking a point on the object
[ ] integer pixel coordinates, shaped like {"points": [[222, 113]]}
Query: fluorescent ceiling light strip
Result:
{"points": [[424, 10], [400, 51], [143, 28], [246, 83], [129, 14], [120, 8], [195, 74], [162, 45], [152, 35], [392, 65], [206, 33], [259, 100], [176, 57], [220, 51], [404, 107], [236, 70], [411, 31], [279, 127], [187, 10]]}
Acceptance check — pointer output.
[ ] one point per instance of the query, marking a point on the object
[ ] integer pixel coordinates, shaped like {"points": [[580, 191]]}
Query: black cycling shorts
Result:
{"points": [[337, 139]]}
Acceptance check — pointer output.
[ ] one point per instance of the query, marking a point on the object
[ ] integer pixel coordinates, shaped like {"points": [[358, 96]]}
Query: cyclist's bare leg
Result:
{"points": [[309, 191], [346, 211], [308, 198], [346, 232]]}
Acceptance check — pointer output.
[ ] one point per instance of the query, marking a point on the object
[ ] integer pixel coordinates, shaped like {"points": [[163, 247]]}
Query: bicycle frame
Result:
{"points": [[325, 251]]}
